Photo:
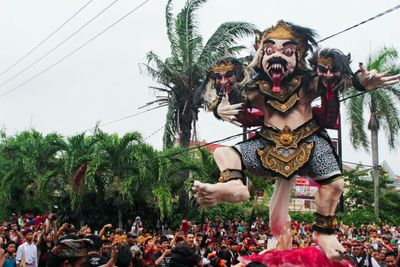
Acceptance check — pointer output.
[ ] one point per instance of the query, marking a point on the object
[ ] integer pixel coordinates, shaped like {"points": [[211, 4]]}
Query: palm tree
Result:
{"points": [[383, 111], [181, 73], [30, 169]]}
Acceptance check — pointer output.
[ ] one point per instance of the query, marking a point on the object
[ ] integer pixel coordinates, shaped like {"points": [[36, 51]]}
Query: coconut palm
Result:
{"points": [[181, 73], [30, 170], [383, 113]]}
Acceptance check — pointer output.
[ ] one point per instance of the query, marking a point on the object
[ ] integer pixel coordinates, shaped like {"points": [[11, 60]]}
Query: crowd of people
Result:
{"points": [[32, 241]]}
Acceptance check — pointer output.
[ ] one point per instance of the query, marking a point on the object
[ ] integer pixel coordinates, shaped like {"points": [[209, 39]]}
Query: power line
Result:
{"points": [[123, 118], [197, 147], [362, 22], [74, 51], [47, 38], [58, 45], [156, 131]]}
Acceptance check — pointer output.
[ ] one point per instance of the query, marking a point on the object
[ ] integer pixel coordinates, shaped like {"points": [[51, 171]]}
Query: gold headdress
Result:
{"points": [[223, 67], [283, 31], [325, 61]]}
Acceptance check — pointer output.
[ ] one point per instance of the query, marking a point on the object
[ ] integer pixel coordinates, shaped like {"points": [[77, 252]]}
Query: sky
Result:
{"points": [[102, 82]]}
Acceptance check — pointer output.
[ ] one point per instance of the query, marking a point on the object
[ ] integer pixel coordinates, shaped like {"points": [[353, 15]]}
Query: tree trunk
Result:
{"points": [[373, 125], [120, 218]]}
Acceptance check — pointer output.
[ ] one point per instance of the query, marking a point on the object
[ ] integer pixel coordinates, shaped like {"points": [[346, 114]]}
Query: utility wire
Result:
{"points": [[74, 51], [123, 118], [197, 147], [156, 131], [58, 45], [362, 22], [45, 39]]}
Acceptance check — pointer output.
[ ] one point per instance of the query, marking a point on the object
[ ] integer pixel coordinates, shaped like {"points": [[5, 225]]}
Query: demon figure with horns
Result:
{"points": [[291, 141]]}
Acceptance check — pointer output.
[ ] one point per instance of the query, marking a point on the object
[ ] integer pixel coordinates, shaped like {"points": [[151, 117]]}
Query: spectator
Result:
{"points": [[183, 256], [363, 259], [163, 255], [390, 260], [94, 257], [10, 257], [69, 251], [27, 251]]}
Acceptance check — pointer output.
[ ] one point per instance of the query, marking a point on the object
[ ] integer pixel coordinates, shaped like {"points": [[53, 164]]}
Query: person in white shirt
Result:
{"points": [[28, 250]]}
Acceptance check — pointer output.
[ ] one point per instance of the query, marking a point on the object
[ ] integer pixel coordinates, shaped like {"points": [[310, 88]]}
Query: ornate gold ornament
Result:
{"points": [[283, 31], [230, 174], [223, 67], [287, 97], [290, 152], [325, 61]]}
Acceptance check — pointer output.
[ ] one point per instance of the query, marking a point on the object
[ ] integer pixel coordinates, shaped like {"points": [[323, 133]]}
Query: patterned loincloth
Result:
{"points": [[313, 155]]}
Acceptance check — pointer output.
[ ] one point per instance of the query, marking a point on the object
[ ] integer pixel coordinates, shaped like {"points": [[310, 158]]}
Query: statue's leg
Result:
{"points": [[278, 215], [326, 200], [230, 187], [325, 170]]}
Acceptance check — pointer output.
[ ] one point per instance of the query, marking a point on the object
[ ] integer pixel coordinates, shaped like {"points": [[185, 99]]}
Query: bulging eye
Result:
{"points": [[269, 50], [288, 51]]}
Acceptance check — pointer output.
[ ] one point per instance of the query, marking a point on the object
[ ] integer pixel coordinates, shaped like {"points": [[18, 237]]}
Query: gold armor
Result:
{"points": [[290, 152]]}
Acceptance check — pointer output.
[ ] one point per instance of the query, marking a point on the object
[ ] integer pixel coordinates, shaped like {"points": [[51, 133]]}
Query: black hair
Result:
{"points": [[256, 264], [124, 257], [340, 60], [183, 256], [10, 243]]}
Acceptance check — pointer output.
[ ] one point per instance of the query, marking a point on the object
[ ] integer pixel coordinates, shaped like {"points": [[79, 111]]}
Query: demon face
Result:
{"points": [[279, 60], [225, 81], [329, 75]]}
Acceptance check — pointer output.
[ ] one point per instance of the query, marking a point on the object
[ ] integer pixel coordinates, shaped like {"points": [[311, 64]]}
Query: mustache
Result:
{"points": [[277, 60]]}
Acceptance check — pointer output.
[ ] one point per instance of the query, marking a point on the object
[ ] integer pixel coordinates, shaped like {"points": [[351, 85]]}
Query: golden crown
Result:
{"points": [[325, 61], [282, 30], [223, 67]]}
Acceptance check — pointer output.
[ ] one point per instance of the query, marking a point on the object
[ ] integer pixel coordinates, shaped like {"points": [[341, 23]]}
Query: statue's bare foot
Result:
{"points": [[330, 245], [213, 194], [281, 242]]}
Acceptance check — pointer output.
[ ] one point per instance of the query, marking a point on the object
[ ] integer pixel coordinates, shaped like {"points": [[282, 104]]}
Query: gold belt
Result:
{"points": [[289, 152]]}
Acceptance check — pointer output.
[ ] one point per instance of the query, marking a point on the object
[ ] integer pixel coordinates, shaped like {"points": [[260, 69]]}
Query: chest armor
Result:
{"points": [[286, 98]]}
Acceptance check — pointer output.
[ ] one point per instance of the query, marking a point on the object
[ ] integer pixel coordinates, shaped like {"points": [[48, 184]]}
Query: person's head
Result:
{"points": [[132, 238], [11, 247], [28, 234], [390, 259], [69, 252], [252, 245], [386, 239], [199, 237], [124, 257], [96, 242], [184, 256], [190, 238], [164, 242], [357, 248]]}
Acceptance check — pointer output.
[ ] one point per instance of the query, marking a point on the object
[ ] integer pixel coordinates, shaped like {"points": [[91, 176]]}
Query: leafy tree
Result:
{"points": [[30, 170], [183, 72], [383, 113]]}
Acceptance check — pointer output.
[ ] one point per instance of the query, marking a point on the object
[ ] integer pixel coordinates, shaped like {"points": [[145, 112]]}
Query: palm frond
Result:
{"points": [[223, 38], [383, 59], [171, 32], [388, 115], [354, 110]]}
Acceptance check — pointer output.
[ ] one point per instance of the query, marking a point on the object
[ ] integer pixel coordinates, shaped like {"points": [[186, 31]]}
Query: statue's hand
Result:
{"points": [[228, 112], [373, 79]]}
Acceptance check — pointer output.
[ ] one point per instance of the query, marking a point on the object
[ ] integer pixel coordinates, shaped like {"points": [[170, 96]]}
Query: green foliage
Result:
{"points": [[358, 217], [381, 103], [184, 70], [307, 217]]}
